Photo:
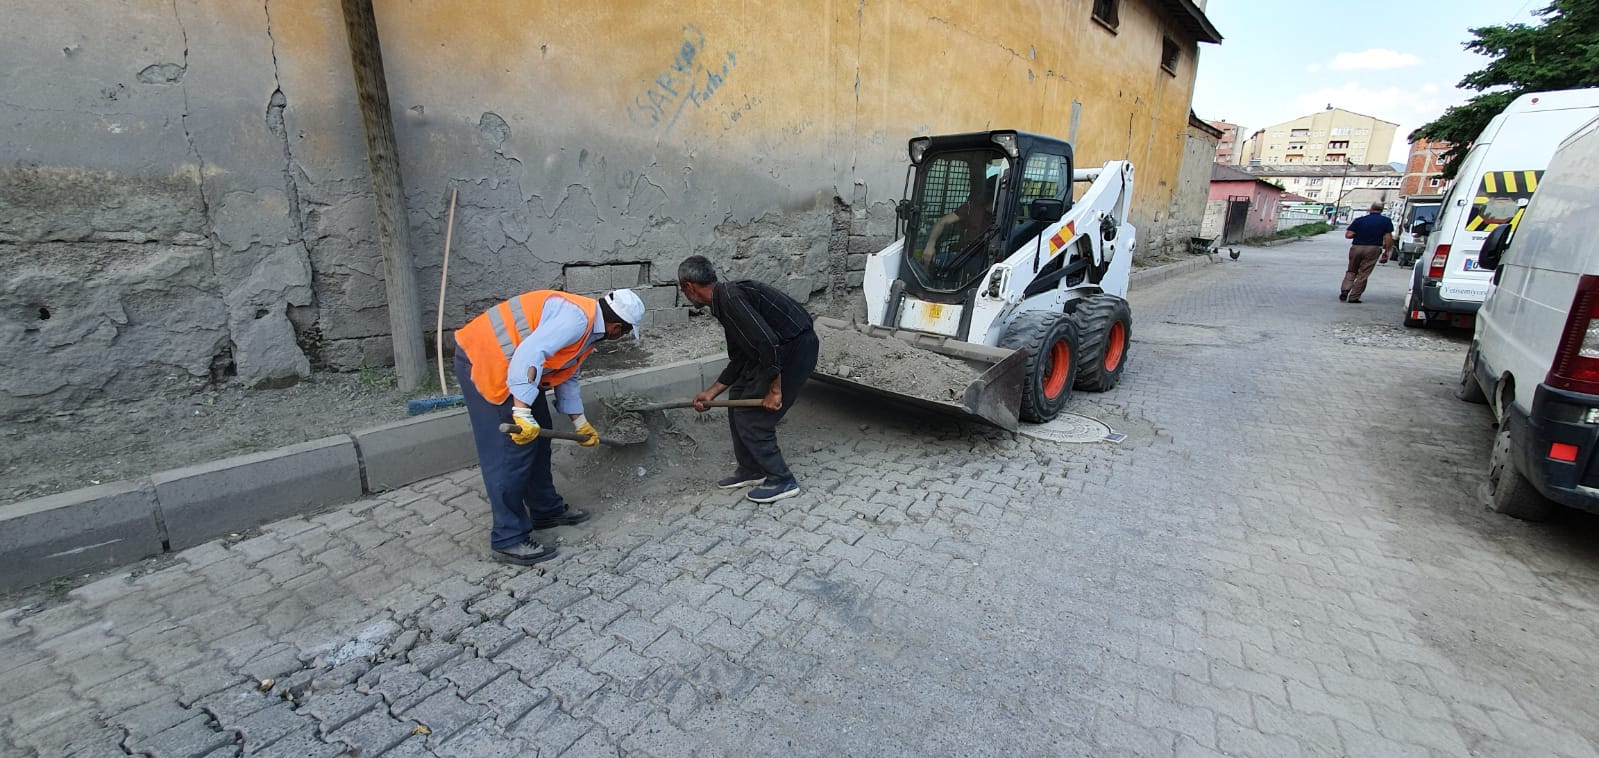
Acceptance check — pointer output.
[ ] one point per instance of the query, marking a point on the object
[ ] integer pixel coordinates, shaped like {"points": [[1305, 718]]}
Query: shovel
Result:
{"points": [[636, 432], [556, 434], [750, 403]]}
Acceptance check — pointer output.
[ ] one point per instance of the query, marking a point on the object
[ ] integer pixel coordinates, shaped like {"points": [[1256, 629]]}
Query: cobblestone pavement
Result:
{"points": [[1283, 558]]}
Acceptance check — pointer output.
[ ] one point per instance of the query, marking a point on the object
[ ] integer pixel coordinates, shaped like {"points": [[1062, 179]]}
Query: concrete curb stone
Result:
{"points": [[394, 455], [1148, 276], [86, 529], [209, 500]]}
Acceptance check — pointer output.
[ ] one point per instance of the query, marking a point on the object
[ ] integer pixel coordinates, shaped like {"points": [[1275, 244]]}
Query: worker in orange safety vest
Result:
{"points": [[508, 360]]}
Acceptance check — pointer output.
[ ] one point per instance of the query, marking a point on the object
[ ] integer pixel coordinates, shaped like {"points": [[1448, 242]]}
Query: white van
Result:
{"points": [[1495, 181], [1535, 354]]}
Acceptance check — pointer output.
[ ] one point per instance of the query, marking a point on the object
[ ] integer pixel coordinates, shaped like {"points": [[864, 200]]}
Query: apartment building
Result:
{"points": [[1229, 149], [1330, 136]]}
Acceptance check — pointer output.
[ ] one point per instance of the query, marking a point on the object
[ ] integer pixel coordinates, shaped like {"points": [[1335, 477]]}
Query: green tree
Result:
{"points": [[1561, 52]]}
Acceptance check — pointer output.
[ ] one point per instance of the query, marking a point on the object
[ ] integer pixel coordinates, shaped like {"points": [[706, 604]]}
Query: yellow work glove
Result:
{"points": [[584, 427], [523, 417]]}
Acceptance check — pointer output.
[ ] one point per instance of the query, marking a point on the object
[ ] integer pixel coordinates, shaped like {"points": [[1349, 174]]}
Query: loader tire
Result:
{"points": [[1105, 326], [1050, 341]]}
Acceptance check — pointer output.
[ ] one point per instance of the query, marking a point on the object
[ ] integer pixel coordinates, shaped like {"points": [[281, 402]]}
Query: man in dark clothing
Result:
{"points": [[771, 350], [1372, 236]]}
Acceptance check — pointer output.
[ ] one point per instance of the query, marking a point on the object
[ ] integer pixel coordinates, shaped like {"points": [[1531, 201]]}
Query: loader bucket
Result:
{"points": [[968, 381]]}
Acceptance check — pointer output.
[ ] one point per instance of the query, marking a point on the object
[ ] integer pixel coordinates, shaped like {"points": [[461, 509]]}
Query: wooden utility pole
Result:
{"points": [[394, 230]]}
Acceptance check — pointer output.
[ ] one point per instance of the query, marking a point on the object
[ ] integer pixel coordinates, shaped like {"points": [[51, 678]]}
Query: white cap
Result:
{"points": [[627, 306]]}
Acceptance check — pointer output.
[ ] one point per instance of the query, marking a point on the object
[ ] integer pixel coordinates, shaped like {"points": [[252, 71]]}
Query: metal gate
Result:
{"points": [[1237, 218]]}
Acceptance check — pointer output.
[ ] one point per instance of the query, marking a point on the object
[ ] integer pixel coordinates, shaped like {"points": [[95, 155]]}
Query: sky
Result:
{"points": [[1397, 60]]}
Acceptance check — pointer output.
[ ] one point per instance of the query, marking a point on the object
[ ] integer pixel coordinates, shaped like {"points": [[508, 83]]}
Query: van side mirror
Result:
{"points": [[1047, 210], [1494, 247]]}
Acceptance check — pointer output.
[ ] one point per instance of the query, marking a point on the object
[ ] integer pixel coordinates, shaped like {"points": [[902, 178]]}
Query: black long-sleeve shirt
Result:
{"points": [[758, 320]]}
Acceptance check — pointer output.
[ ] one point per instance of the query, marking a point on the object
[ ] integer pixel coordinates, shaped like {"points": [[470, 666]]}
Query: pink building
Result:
{"points": [[1241, 206]]}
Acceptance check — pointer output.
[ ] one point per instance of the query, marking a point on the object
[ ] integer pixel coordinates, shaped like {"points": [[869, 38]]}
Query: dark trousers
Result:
{"points": [[517, 477], [755, 429]]}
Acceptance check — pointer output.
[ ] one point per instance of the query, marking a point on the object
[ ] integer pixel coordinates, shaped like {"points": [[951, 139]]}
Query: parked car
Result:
{"points": [[1534, 357], [1416, 220], [1496, 180]]}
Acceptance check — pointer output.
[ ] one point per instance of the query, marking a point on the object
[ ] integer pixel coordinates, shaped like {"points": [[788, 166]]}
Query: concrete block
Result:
{"points": [[84, 530], [657, 297], [594, 392], [855, 262], [588, 280], [209, 500], [626, 275], [667, 317], [855, 278], [403, 452], [673, 381], [864, 245], [711, 368]]}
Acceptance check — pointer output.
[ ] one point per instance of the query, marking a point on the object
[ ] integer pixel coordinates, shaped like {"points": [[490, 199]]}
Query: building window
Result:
{"points": [[1168, 55], [1314, 181], [1338, 144], [1341, 131], [1106, 12], [1435, 182]]}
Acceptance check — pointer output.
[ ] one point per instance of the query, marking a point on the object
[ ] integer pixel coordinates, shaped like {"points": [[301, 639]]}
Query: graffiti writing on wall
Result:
{"points": [[689, 79]]}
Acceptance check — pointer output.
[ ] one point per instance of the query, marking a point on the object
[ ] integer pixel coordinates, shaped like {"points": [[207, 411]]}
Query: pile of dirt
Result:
{"points": [[893, 365], [89, 446]]}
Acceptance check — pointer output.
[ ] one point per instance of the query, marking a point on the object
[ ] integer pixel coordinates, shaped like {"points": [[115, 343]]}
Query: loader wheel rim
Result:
{"points": [[1056, 368], [1115, 346]]}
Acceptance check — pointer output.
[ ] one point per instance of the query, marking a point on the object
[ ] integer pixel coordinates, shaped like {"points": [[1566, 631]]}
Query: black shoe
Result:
{"points": [[1353, 300], [1343, 294], [739, 480], [525, 554], [567, 517], [772, 492]]}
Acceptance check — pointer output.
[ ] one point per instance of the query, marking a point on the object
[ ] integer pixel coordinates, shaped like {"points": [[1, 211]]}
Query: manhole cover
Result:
{"points": [[1070, 427]]}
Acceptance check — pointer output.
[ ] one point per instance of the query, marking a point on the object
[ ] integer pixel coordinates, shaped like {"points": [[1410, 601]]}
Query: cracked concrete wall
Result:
{"points": [[1193, 189], [146, 230], [220, 146]]}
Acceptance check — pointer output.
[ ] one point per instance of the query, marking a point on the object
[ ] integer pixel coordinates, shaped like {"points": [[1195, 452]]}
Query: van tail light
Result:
{"points": [[1576, 364], [1440, 261]]}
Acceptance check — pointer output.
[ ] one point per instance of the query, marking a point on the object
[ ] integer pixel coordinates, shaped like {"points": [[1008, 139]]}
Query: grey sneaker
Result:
{"points": [[525, 554], [772, 492]]}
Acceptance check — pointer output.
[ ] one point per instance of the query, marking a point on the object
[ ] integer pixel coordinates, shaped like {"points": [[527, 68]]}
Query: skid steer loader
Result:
{"points": [[998, 269]]}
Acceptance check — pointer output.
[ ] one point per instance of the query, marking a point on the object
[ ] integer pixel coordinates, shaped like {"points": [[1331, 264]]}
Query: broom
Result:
{"points": [[425, 404]]}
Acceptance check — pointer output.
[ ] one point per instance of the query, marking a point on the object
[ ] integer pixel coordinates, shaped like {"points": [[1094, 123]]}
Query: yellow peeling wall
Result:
{"points": [[813, 95], [637, 132]]}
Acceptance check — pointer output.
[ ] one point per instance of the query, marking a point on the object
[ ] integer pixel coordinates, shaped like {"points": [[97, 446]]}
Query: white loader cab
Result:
{"points": [[1493, 186], [1535, 354]]}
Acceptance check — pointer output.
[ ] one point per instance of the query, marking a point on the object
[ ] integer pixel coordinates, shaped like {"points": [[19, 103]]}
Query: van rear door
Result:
{"points": [[1500, 198]]}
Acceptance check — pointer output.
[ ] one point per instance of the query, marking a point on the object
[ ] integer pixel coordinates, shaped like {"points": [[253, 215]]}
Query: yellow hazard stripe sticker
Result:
{"points": [[1488, 183], [1531, 180]]}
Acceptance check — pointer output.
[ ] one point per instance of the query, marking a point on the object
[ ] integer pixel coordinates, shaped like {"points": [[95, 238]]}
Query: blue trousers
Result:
{"points": [[517, 477]]}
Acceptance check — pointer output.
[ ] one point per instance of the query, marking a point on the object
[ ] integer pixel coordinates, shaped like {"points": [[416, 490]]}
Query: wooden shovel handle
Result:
{"points": [[554, 434], [750, 403]]}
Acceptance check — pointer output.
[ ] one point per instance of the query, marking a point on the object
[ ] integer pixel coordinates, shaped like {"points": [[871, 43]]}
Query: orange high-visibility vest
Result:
{"points": [[490, 339]]}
